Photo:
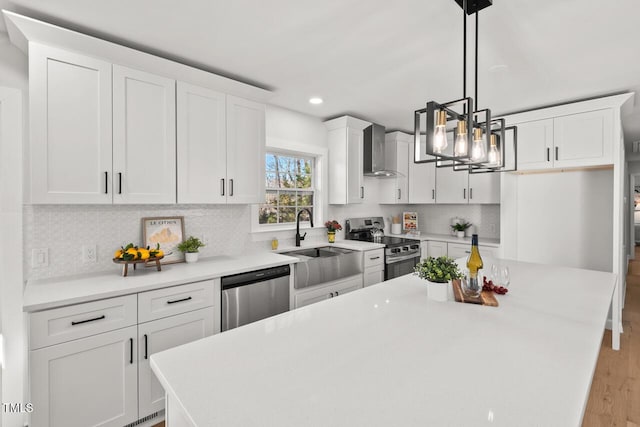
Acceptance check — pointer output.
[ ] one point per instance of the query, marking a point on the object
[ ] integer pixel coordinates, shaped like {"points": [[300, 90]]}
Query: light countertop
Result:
{"points": [[386, 355], [51, 293], [483, 241]]}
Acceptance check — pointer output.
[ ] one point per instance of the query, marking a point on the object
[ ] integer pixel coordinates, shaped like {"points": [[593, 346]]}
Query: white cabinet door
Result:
{"points": [[535, 144], [70, 127], [160, 335], [201, 144], [395, 190], [484, 188], [451, 186], [422, 181], [87, 382], [245, 151], [436, 249], [144, 137], [583, 139], [458, 250], [424, 250], [373, 276], [355, 179], [325, 292]]}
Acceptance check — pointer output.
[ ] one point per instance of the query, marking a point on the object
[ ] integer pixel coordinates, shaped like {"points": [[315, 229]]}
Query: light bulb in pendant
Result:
{"points": [[494, 154], [461, 146], [440, 134], [477, 150]]}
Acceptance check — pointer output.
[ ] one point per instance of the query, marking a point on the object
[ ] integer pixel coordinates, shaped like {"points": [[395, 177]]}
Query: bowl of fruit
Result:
{"points": [[133, 255]]}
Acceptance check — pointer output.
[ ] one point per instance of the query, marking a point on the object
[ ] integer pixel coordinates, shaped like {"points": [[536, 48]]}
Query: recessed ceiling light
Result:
{"points": [[315, 100]]}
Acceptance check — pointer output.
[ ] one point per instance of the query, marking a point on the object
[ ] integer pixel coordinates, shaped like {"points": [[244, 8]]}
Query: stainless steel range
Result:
{"points": [[400, 255]]}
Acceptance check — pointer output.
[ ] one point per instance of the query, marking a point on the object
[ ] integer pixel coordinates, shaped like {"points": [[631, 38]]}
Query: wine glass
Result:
{"points": [[494, 274], [505, 278]]}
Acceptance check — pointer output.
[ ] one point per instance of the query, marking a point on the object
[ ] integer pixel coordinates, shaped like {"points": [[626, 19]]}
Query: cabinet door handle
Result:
{"points": [[470, 193], [145, 346], [106, 182], [399, 194], [362, 192], [331, 295], [467, 252], [548, 154], [337, 293], [222, 187], [88, 320], [179, 300], [231, 187], [433, 194], [119, 182], [131, 351], [556, 153], [375, 257], [464, 193]]}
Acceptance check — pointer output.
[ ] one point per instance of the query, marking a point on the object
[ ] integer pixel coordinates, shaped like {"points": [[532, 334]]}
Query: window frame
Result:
{"points": [[319, 181]]}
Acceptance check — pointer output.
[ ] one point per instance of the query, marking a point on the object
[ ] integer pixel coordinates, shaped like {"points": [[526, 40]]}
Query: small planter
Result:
{"points": [[437, 291], [191, 257], [331, 235], [460, 234]]}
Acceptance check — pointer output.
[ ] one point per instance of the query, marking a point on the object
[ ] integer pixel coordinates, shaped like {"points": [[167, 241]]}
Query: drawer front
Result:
{"points": [[175, 300], [458, 250], [375, 257], [81, 320]]}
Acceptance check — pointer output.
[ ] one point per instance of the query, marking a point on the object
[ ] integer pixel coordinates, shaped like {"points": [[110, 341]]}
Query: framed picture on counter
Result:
{"points": [[410, 221], [168, 231]]}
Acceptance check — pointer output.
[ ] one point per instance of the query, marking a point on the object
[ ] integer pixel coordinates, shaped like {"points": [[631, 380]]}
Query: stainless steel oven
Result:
{"points": [[401, 261]]}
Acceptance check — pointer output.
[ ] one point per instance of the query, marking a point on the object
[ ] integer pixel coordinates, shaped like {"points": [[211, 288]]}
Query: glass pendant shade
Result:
{"points": [[440, 133], [461, 146], [477, 150], [494, 156]]}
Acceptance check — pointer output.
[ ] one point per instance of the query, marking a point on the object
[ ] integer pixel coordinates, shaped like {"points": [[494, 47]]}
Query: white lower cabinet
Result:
{"points": [[436, 249], [91, 381], [373, 267], [160, 335], [458, 250], [330, 290]]}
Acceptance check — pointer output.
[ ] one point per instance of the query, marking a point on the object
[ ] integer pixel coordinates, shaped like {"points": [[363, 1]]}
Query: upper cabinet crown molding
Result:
{"points": [[24, 30]]}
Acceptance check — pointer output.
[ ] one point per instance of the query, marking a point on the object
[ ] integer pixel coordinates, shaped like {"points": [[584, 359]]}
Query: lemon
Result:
{"points": [[143, 253], [118, 253], [133, 252]]}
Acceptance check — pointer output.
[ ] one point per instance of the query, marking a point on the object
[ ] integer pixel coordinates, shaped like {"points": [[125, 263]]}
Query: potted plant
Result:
{"points": [[461, 227], [438, 272], [332, 227], [190, 248]]}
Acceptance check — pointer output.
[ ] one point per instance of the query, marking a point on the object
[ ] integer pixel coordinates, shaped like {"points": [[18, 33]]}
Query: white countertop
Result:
{"points": [[387, 356], [483, 241], [50, 293]]}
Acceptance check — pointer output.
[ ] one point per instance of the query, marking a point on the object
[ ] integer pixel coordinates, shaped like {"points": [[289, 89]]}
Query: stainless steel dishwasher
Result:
{"points": [[247, 297]]}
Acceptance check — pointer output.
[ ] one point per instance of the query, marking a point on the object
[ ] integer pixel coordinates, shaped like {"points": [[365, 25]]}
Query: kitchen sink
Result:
{"points": [[324, 264]]}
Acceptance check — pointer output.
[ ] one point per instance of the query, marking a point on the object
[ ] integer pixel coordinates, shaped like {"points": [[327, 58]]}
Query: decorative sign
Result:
{"points": [[166, 231], [410, 221]]}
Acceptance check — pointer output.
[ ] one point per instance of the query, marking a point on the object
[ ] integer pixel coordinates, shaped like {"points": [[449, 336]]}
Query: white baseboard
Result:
{"points": [[608, 326]]}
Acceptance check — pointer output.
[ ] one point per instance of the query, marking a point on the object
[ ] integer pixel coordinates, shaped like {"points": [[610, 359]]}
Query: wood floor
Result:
{"points": [[615, 392]]}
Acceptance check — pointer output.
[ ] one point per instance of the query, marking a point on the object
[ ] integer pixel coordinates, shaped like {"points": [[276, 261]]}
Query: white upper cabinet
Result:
{"points": [[395, 190], [583, 139], [422, 180], [144, 137], [70, 127], [201, 144], [484, 188], [245, 151], [451, 186], [345, 142], [564, 139]]}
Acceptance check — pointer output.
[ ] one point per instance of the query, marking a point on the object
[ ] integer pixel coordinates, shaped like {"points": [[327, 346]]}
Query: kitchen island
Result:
{"points": [[387, 355]]}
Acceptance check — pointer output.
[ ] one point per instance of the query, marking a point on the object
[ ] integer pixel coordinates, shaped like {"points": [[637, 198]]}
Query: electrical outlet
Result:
{"points": [[205, 239], [40, 258], [89, 253], [492, 227]]}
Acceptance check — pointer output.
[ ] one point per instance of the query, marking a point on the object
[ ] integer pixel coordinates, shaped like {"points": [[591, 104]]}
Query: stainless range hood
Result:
{"points": [[374, 164]]}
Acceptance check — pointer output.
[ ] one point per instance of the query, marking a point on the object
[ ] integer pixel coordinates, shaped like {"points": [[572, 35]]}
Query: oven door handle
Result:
{"points": [[394, 259]]}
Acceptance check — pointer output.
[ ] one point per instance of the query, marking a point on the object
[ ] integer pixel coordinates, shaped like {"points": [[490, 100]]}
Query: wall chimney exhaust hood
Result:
{"points": [[374, 164]]}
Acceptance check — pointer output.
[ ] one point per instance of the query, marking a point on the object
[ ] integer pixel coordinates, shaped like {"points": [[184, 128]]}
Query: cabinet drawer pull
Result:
{"points": [[556, 153], [145, 346], [119, 182], [222, 187], [88, 320], [131, 351], [548, 154], [179, 300], [231, 187], [106, 182], [467, 252], [375, 257]]}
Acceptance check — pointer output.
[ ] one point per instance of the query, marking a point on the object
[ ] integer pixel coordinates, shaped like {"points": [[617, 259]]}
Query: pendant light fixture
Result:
{"points": [[479, 141]]}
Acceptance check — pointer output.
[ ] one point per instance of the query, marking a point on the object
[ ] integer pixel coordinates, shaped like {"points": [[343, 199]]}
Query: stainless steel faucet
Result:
{"points": [[298, 236]]}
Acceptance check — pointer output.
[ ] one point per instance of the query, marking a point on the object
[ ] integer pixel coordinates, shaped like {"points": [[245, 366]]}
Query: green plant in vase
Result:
{"points": [[461, 227], [190, 248]]}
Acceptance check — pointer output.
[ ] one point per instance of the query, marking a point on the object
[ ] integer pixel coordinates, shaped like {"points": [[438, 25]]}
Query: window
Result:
{"points": [[289, 186]]}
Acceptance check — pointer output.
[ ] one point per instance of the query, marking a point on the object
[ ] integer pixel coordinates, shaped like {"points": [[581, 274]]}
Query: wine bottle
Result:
{"points": [[474, 263]]}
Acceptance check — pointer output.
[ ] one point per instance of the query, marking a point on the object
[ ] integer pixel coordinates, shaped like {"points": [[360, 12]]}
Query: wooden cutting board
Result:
{"points": [[485, 298]]}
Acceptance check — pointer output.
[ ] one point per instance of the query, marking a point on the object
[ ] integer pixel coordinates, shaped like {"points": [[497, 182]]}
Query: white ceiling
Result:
{"points": [[381, 60]]}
